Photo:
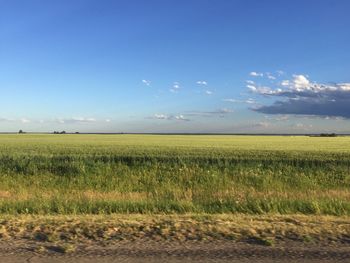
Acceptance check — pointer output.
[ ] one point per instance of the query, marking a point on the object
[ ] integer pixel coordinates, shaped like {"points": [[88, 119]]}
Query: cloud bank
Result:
{"points": [[300, 96]]}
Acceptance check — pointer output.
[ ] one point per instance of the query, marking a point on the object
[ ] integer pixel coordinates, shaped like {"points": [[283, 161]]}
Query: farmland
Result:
{"points": [[174, 174], [150, 196]]}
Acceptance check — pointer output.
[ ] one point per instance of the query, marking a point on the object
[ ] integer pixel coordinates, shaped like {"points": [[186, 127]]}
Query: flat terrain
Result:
{"points": [[171, 198], [105, 174]]}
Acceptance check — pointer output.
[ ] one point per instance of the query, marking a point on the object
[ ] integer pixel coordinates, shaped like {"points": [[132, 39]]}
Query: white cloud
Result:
{"points": [[146, 82], [160, 116], [300, 82], [302, 126], [176, 85], [169, 117], [251, 87], [24, 120], [107, 120], [208, 92], [270, 76], [256, 74], [6, 120], [250, 82], [248, 101], [300, 96], [175, 88], [223, 111], [229, 100], [259, 89], [285, 83], [75, 120], [181, 118], [202, 82]]}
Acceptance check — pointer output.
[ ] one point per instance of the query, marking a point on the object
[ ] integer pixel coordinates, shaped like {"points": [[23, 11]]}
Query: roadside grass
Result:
{"points": [[67, 232]]}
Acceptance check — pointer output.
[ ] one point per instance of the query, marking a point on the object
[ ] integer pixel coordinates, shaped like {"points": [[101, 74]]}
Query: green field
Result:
{"points": [[166, 174]]}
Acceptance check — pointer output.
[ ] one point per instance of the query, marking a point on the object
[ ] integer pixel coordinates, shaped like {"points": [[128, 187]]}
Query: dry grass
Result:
{"points": [[114, 228], [239, 195]]}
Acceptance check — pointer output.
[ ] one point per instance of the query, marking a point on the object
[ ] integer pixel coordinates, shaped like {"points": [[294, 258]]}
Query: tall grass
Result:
{"points": [[97, 174]]}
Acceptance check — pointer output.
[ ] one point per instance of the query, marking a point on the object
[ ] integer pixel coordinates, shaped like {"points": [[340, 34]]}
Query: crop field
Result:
{"points": [[174, 174]]}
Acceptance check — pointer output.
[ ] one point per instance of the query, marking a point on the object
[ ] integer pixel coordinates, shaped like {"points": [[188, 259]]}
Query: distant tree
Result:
{"points": [[20, 132], [57, 132], [77, 132], [328, 135]]}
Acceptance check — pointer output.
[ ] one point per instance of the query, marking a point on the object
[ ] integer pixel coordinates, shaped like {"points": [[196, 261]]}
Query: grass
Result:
{"points": [[65, 232], [173, 174]]}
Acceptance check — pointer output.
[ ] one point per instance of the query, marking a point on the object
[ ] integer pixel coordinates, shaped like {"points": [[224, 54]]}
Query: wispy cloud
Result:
{"points": [[262, 124], [6, 119], [219, 112], [24, 120], [146, 82], [285, 83], [270, 76], [248, 101], [75, 120], [161, 116], [258, 89], [282, 118], [256, 74], [280, 72], [279, 118], [300, 96], [175, 88], [202, 82], [302, 126], [21, 120], [181, 118], [230, 100], [169, 117], [208, 92]]}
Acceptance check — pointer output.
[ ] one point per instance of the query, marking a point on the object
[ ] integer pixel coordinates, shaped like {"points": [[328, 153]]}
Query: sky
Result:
{"points": [[211, 66]]}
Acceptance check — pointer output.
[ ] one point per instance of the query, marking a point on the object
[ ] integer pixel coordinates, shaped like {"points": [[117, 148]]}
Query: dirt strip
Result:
{"points": [[151, 251], [174, 238]]}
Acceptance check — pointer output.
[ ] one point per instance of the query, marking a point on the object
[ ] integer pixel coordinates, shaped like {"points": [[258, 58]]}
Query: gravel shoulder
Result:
{"points": [[151, 251]]}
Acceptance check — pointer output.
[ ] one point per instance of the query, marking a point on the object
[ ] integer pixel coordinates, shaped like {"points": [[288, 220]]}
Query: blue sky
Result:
{"points": [[175, 66]]}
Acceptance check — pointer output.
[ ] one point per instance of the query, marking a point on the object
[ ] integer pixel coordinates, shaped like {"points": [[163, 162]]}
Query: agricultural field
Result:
{"points": [[231, 196], [174, 174]]}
